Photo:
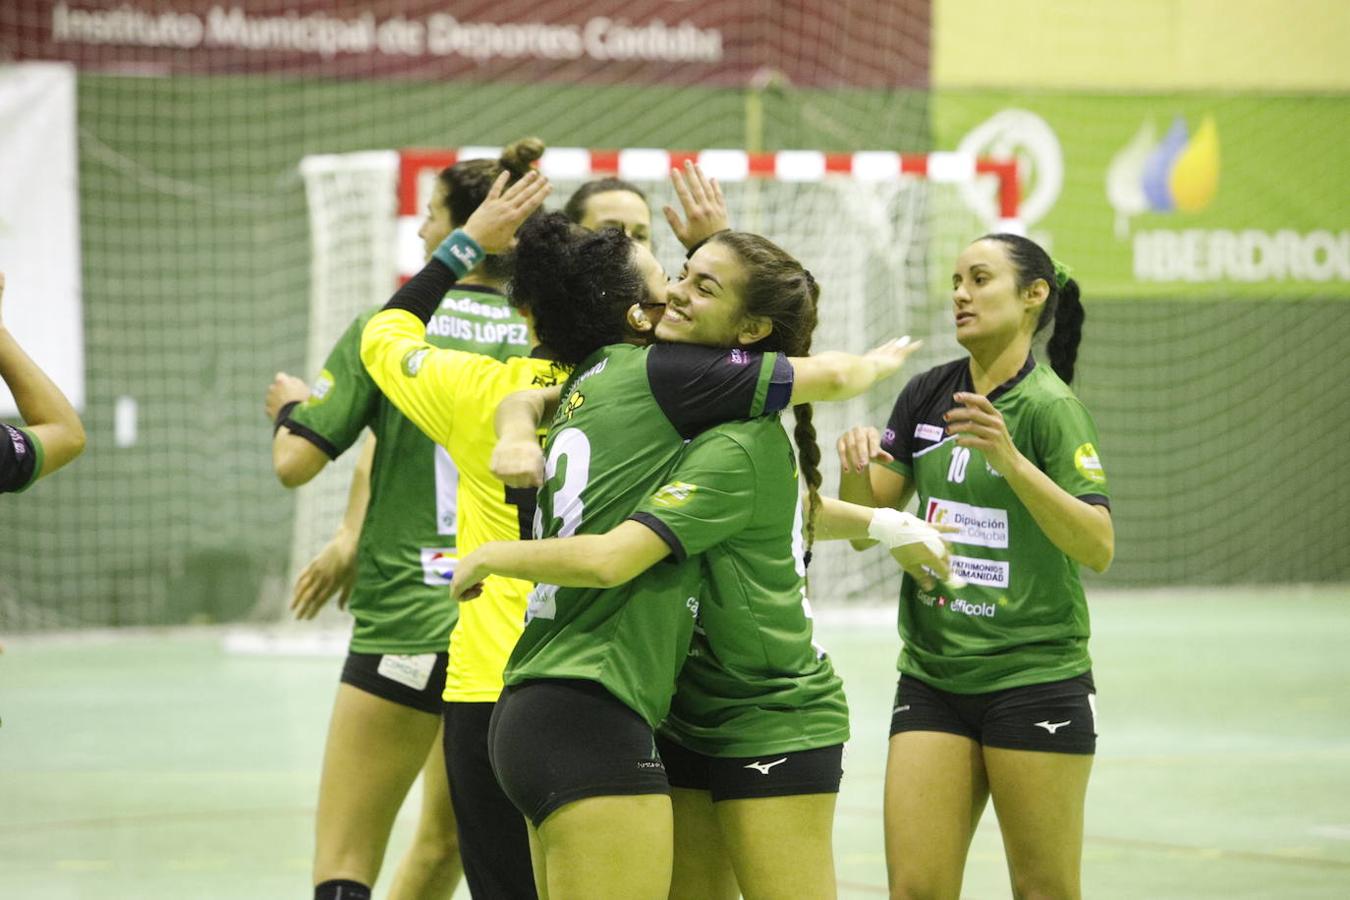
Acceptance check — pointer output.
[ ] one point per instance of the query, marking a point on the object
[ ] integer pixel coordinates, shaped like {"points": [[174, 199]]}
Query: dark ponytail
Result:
{"points": [[1063, 303], [1064, 340], [577, 284], [780, 289]]}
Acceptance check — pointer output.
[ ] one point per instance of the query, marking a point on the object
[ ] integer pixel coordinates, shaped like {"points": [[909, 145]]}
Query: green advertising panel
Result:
{"points": [[1173, 195]]}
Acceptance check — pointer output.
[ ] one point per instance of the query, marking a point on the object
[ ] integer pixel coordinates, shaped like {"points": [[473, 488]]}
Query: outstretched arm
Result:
{"points": [[584, 560], [838, 376], [915, 544], [45, 410]]}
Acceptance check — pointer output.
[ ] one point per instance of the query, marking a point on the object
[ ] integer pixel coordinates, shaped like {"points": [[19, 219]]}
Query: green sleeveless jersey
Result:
{"points": [[754, 682], [621, 424], [1022, 618], [406, 553]]}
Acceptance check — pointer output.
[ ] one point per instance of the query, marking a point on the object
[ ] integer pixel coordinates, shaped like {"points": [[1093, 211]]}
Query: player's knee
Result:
{"points": [[436, 847], [1045, 886], [918, 885]]}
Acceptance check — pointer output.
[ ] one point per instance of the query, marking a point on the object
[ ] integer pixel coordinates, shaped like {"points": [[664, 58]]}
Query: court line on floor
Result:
{"points": [[153, 818], [1164, 846]]}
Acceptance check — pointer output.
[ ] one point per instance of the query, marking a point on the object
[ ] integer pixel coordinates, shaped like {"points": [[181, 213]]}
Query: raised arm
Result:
{"points": [[705, 209], [46, 412], [863, 477], [410, 372], [839, 376]]}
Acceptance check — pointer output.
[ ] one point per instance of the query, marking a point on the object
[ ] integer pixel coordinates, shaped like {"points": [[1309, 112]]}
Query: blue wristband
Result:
{"points": [[459, 252]]}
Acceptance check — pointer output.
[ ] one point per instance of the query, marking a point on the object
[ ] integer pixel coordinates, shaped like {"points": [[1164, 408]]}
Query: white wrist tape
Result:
{"points": [[895, 529]]}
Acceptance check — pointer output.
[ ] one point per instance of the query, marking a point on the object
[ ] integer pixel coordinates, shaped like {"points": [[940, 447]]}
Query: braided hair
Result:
{"points": [[778, 288]]}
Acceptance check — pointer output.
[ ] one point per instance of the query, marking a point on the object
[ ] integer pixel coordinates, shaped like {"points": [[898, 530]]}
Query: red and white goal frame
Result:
{"points": [[418, 168]]}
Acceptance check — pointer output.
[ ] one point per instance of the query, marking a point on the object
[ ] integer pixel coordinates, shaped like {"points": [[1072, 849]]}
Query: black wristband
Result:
{"points": [[422, 294], [283, 414]]}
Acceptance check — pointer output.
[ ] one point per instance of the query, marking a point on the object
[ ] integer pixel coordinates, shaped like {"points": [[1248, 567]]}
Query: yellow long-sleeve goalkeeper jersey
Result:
{"points": [[452, 396]]}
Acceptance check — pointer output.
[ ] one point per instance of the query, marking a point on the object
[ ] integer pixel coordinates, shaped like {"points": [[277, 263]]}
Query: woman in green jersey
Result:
{"points": [[390, 562], [596, 666], [995, 697]]}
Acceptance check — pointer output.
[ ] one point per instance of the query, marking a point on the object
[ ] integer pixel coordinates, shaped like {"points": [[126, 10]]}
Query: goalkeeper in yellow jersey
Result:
{"points": [[391, 561]]}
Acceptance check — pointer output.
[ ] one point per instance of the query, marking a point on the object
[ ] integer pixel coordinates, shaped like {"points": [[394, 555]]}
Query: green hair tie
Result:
{"points": [[1062, 272]]}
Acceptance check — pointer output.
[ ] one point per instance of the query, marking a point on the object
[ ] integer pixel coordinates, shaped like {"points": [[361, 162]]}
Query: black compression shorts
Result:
{"points": [[413, 680], [816, 771], [1056, 717], [554, 742]]}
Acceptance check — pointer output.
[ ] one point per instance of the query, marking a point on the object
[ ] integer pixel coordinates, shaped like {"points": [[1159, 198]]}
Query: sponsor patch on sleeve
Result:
{"points": [[674, 495], [319, 391], [928, 432], [1089, 464], [16, 438], [412, 363]]}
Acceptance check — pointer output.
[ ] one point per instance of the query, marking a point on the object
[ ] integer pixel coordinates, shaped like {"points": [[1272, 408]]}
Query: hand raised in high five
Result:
{"points": [[704, 206], [493, 224]]}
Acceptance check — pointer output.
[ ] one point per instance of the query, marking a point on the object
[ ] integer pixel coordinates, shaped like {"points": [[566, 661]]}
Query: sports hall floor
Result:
{"points": [[158, 764]]}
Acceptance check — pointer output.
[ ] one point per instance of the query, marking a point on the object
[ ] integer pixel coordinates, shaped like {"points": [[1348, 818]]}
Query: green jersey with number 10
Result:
{"points": [[1022, 618]]}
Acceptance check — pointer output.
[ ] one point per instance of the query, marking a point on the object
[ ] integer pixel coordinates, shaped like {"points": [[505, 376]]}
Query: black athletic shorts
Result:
{"points": [[816, 771], [416, 680], [493, 843], [554, 742], [1056, 717]]}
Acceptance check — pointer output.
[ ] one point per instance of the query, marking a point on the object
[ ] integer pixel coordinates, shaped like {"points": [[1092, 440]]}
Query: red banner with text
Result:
{"points": [[812, 43]]}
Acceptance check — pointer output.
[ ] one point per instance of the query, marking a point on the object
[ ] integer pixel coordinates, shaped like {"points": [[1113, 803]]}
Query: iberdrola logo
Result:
{"points": [[1179, 173]]}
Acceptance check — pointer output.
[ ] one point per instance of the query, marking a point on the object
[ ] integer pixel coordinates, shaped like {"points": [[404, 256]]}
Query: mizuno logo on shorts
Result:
{"points": [[1052, 727], [763, 767]]}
